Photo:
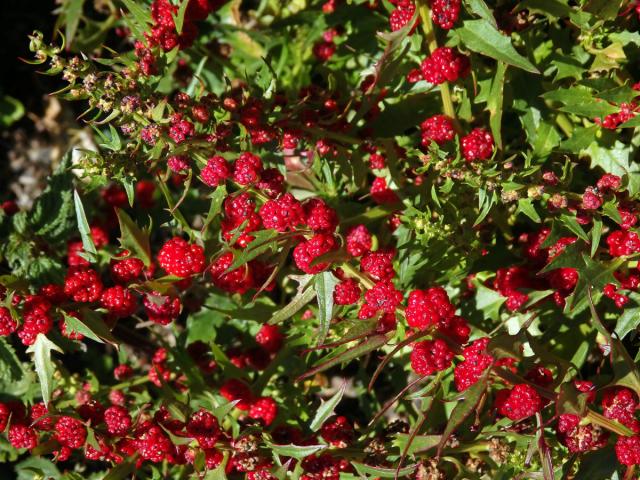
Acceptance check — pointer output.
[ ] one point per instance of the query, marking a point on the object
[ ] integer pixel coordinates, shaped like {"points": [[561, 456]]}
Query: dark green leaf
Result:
{"points": [[482, 37]]}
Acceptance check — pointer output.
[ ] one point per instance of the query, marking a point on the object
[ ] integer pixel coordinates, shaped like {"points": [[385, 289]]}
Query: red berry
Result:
{"points": [[70, 432], [161, 309], [444, 65], [347, 292], [520, 402], [283, 213], [445, 12], [117, 420], [122, 372], [83, 285], [382, 194], [203, 426], [36, 319], [22, 436], [180, 258], [239, 280], [119, 301], [438, 128], [620, 404], [127, 270], [319, 216], [402, 15], [247, 169], [378, 264], [608, 181], [591, 199], [265, 409], [478, 145], [628, 450], [338, 432], [428, 307], [178, 163], [431, 356], [358, 240], [270, 338], [476, 361], [622, 243], [216, 171], [7, 323], [153, 444], [233, 389], [308, 250], [383, 296]]}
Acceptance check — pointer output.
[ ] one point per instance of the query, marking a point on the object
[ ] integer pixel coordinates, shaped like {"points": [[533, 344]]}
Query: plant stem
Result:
{"points": [[432, 43]]}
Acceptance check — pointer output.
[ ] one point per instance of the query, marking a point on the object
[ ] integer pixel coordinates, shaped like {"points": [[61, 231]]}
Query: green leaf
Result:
{"points": [[592, 274], [480, 8], [141, 18], [419, 443], [495, 101], [295, 451], [121, 471], [72, 11], [470, 399], [525, 205], [90, 325], [381, 472], [488, 301], [372, 343], [179, 18], [596, 234], [10, 365], [36, 467], [11, 110], [326, 409], [264, 241], [580, 101], [85, 231], [41, 351], [629, 319], [325, 284], [571, 223], [133, 238], [482, 37], [303, 296]]}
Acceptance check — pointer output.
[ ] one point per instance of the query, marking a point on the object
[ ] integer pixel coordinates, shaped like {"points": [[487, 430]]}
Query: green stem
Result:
{"points": [[353, 272], [430, 34]]}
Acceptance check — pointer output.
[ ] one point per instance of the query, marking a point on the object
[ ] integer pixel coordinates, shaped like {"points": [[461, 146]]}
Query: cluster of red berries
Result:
{"points": [[477, 145], [444, 13]]}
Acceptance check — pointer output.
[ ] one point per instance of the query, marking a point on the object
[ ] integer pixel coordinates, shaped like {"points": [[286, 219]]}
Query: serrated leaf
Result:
{"points": [[72, 10], [480, 8], [525, 205], [326, 409], [325, 284], [482, 37], [44, 367], [133, 238]]}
